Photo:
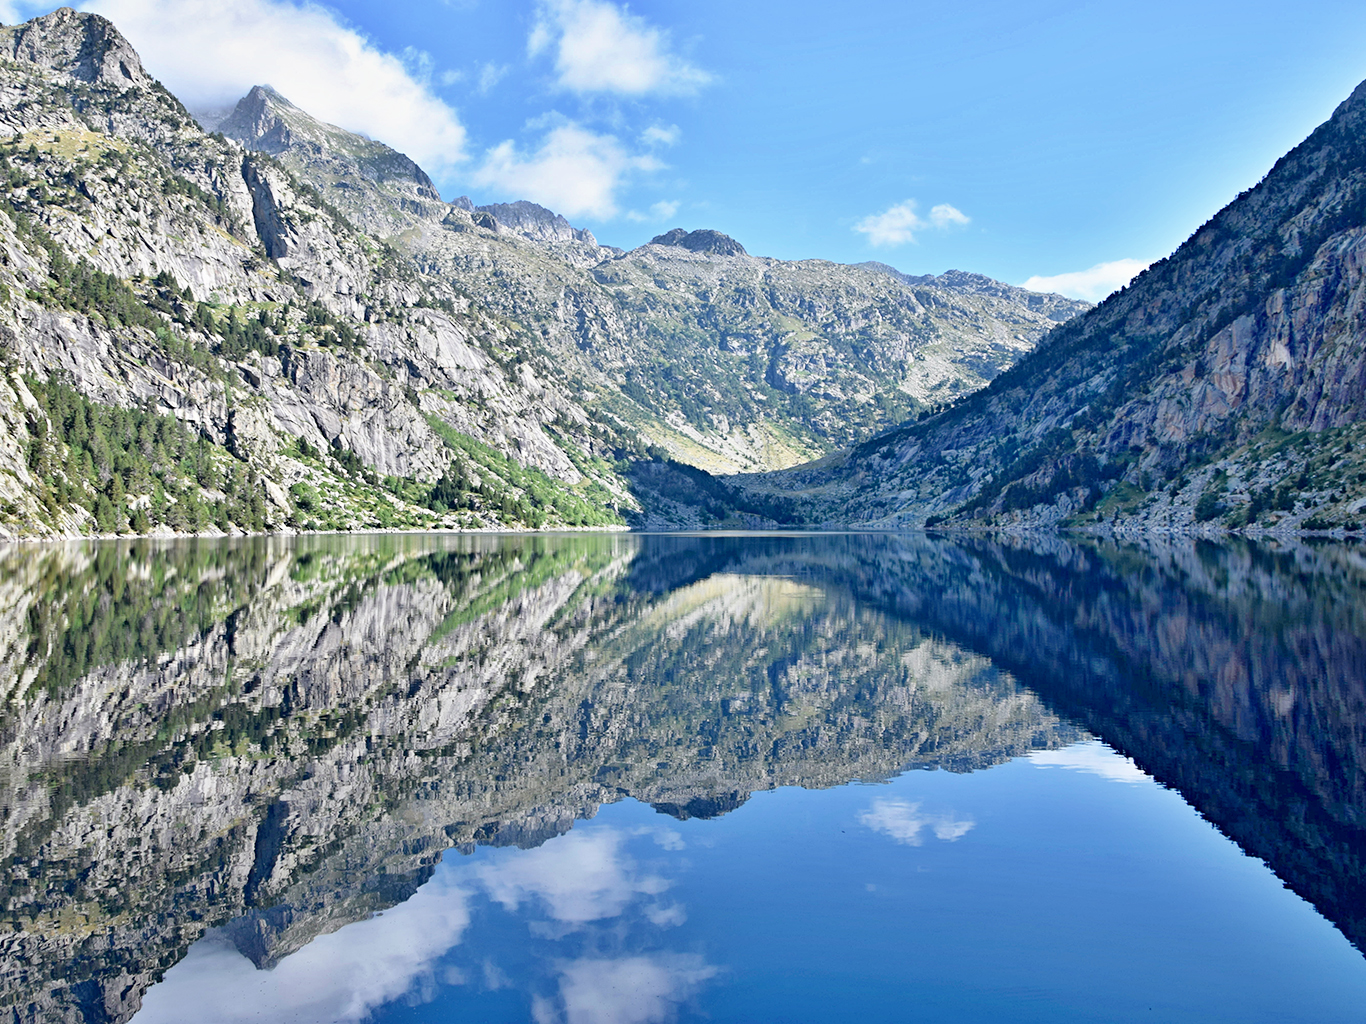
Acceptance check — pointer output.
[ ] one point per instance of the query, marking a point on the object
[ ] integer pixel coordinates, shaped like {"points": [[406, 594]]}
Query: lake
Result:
{"points": [[624, 779]]}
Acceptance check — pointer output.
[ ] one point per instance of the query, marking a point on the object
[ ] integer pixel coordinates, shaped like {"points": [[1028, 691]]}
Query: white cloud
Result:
{"points": [[667, 916], [659, 135], [574, 172], [631, 990], [579, 877], [490, 74], [210, 53], [898, 224], [1091, 285], [893, 226], [903, 822], [341, 976], [659, 212], [599, 47], [944, 216], [1093, 758], [665, 838]]}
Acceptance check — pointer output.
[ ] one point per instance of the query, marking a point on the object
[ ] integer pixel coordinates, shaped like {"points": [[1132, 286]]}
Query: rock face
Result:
{"points": [[702, 240], [536, 223], [723, 360], [1225, 387], [86, 49], [340, 163]]}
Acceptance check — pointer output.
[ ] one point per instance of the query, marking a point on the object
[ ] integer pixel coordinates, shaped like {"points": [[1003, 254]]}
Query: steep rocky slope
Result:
{"points": [[164, 273], [725, 360], [1225, 387]]}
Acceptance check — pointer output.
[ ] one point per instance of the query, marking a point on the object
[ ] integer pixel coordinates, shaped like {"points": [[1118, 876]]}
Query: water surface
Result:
{"points": [[633, 779]]}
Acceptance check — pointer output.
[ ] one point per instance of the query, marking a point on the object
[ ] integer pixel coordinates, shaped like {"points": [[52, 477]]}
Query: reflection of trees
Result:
{"points": [[295, 732], [318, 722]]}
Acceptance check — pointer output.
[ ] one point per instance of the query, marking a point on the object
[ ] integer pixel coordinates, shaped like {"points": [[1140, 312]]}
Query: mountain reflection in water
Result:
{"points": [[274, 741]]}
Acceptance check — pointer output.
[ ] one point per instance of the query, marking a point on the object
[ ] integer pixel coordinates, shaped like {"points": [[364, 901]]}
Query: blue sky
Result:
{"points": [[1020, 140]]}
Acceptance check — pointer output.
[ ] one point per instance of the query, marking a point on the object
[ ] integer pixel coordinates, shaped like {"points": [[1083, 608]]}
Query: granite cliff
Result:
{"points": [[318, 340]]}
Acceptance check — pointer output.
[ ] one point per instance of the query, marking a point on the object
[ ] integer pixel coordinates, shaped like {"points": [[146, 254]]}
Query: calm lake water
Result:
{"points": [[618, 779]]}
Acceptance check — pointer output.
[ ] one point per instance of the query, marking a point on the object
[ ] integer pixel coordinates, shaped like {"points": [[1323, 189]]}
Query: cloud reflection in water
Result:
{"points": [[576, 880], [905, 822]]}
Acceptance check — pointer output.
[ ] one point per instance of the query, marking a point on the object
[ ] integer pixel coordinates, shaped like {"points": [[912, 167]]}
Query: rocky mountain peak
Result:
{"points": [[535, 222], [267, 122], [262, 118], [703, 240], [85, 46]]}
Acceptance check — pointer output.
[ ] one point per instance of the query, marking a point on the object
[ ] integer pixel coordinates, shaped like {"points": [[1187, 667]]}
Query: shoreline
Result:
{"points": [[1017, 531]]}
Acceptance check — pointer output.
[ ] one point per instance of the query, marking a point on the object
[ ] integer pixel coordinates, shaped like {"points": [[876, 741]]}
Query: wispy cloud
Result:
{"points": [[575, 171], [658, 213], [905, 822], [898, 225], [600, 47], [1092, 284], [490, 74], [944, 216], [210, 53], [659, 135]]}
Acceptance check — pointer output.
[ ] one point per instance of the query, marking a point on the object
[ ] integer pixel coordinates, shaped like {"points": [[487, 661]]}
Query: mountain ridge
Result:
{"points": [[1223, 388], [322, 342]]}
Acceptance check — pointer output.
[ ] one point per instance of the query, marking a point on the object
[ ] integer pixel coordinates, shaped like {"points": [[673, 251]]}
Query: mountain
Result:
{"points": [[1224, 388], [282, 325], [194, 339], [723, 360]]}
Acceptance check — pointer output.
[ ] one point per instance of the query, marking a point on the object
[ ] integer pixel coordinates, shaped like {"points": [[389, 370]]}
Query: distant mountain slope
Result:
{"points": [[281, 325], [1225, 387], [726, 360]]}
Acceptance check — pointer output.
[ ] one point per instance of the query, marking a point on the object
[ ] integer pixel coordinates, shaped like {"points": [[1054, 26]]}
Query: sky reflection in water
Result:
{"points": [[1063, 885], [614, 779]]}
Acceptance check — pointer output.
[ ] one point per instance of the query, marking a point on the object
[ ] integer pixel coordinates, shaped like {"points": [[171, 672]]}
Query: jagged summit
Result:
{"points": [[703, 240], [532, 221], [265, 121], [380, 189], [1052, 305], [85, 46]]}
